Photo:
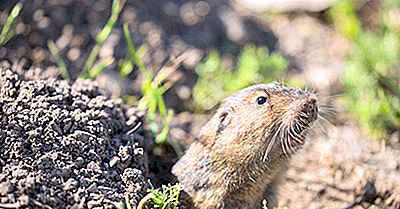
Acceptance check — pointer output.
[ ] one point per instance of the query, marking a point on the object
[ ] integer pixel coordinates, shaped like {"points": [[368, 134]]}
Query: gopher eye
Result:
{"points": [[261, 100]]}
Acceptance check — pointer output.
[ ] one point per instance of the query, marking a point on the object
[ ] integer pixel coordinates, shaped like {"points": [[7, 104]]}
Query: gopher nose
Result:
{"points": [[310, 107]]}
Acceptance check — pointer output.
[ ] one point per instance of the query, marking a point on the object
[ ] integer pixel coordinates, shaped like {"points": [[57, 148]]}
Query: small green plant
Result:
{"points": [[153, 88], [90, 70], [371, 95], [8, 30], [255, 65], [344, 17], [372, 74], [167, 197], [60, 62], [373, 207]]}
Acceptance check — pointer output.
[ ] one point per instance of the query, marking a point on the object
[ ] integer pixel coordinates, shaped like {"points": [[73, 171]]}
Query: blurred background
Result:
{"points": [[176, 59]]}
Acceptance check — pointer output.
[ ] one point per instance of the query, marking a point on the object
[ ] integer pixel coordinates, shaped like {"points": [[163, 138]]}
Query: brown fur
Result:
{"points": [[228, 166]]}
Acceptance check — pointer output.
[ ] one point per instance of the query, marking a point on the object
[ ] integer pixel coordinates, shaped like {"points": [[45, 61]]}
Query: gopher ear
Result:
{"points": [[221, 119], [225, 118]]}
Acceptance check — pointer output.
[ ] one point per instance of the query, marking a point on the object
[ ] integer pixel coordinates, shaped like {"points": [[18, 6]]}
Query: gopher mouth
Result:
{"points": [[293, 136], [300, 126], [291, 132], [297, 135], [290, 138]]}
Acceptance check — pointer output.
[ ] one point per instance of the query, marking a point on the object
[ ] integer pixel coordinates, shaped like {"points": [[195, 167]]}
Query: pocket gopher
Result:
{"points": [[239, 156]]}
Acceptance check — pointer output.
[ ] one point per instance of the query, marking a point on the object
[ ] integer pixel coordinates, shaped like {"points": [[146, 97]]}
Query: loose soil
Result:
{"points": [[66, 146]]}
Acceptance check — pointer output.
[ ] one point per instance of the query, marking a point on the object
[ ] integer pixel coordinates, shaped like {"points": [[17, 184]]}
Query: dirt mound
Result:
{"points": [[65, 145]]}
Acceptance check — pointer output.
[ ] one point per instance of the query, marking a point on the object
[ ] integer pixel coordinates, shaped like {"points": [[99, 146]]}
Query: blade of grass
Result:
{"points": [[9, 36], [177, 148], [160, 102], [146, 91], [96, 70], [90, 60], [134, 56], [152, 90], [152, 101], [61, 64], [6, 33], [115, 9], [145, 200], [162, 136], [117, 5], [125, 68], [388, 84], [142, 49]]}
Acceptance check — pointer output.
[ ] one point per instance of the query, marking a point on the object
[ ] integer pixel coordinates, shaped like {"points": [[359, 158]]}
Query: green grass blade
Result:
{"points": [[388, 84], [162, 136], [61, 64], [152, 102], [91, 58], [6, 34], [134, 56], [160, 102], [125, 68], [103, 35], [105, 32], [9, 36], [177, 148], [96, 70]]}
